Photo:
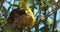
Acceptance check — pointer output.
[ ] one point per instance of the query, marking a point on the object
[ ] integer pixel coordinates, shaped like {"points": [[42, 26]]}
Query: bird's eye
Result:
{"points": [[21, 12]]}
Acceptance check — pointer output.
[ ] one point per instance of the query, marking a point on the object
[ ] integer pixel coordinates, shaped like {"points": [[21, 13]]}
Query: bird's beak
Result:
{"points": [[26, 12]]}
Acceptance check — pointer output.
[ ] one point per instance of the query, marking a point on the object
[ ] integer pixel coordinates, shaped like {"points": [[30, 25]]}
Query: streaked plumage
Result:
{"points": [[21, 17]]}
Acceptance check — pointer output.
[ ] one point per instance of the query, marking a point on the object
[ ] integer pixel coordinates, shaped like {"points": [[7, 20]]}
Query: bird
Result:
{"points": [[21, 16]]}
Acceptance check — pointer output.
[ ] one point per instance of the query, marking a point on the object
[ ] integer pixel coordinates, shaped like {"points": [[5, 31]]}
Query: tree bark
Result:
{"points": [[54, 22]]}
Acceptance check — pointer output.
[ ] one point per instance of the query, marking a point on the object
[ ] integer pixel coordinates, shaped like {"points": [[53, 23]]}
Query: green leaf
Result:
{"points": [[49, 22]]}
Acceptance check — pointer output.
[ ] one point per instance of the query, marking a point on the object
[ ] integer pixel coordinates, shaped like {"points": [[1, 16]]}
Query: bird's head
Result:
{"points": [[21, 11]]}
